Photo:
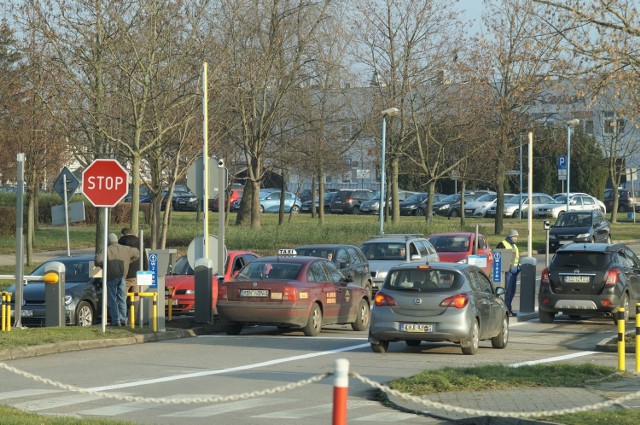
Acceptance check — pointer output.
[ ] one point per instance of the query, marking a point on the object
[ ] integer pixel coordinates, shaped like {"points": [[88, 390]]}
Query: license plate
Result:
{"points": [[565, 242], [26, 313], [468, 211], [416, 327], [254, 293], [174, 302], [577, 279]]}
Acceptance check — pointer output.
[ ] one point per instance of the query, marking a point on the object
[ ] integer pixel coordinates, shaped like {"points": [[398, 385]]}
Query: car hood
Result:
{"points": [[476, 204], [560, 231]]}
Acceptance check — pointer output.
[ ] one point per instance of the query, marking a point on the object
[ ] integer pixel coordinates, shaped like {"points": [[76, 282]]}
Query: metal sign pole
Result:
{"points": [[66, 214], [105, 242], [17, 322]]}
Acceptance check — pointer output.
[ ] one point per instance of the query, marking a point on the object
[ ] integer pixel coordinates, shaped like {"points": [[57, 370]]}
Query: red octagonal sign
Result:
{"points": [[105, 182]]}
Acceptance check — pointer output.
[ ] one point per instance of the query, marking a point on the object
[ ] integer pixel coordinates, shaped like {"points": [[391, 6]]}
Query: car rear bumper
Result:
{"points": [[264, 314], [579, 305], [385, 325]]}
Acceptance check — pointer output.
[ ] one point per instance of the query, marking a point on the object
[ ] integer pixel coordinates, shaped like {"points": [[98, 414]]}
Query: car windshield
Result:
{"points": [[182, 267], [270, 270], [562, 199], [451, 198], [450, 243], [516, 199], [573, 220], [416, 197], [423, 280], [489, 197], [384, 250], [580, 260], [75, 270]]}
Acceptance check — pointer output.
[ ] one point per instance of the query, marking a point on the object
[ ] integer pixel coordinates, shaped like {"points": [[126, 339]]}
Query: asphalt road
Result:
{"points": [[262, 358]]}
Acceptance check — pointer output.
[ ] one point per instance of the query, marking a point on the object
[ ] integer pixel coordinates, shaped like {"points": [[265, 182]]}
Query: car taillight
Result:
{"points": [[457, 301], [349, 200], [222, 292], [290, 294], [382, 300], [544, 278], [612, 277]]}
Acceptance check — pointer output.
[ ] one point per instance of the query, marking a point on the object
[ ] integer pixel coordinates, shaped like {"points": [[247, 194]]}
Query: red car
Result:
{"points": [[291, 291], [183, 283], [233, 196], [457, 247]]}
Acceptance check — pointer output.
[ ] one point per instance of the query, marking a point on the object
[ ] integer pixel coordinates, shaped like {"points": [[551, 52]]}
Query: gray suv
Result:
{"points": [[386, 251]]}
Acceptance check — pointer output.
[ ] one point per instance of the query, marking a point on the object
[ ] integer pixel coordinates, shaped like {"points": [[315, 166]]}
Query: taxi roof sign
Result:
{"points": [[289, 251]]}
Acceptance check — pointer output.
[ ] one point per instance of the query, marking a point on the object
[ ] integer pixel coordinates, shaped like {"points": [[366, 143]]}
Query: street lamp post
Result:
{"points": [[391, 112], [570, 124]]}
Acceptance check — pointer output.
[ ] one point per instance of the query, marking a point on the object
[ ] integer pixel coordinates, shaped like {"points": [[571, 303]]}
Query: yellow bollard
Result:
{"points": [[169, 298], [8, 311], [638, 337], [4, 312], [155, 312], [621, 345], [132, 309]]}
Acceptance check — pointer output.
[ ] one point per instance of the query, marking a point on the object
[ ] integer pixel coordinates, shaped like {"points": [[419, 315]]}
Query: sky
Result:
{"points": [[472, 10]]}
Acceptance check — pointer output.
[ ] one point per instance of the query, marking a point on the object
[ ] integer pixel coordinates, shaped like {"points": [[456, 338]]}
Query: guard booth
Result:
{"points": [[159, 262]]}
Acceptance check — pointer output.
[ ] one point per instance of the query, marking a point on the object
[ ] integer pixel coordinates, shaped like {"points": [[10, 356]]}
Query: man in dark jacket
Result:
{"points": [[119, 257]]}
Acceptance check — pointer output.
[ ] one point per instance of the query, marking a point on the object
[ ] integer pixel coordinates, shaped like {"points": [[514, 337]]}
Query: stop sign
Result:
{"points": [[105, 182]]}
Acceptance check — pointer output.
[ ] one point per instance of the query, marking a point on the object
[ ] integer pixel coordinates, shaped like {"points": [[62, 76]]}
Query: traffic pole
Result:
{"points": [[340, 391], [621, 345], [638, 337]]}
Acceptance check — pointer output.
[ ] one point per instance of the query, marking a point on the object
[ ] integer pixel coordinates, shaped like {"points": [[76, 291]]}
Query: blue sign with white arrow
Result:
{"points": [[153, 267], [497, 267]]}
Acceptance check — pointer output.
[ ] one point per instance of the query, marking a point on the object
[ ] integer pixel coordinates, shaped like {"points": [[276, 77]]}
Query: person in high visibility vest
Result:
{"points": [[511, 276]]}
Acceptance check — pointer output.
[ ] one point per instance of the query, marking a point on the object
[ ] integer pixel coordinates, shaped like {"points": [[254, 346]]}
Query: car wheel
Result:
{"points": [[362, 320], [454, 213], [380, 347], [515, 214], [84, 314], [420, 212], [413, 342], [546, 317], [501, 340], [470, 345], [624, 303], [608, 238], [355, 210], [314, 323], [295, 209], [233, 328], [593, 239], [261, 209]]}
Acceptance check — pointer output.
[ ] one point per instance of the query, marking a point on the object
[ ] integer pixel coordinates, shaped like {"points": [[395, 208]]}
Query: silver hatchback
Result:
{"points": [[438, 302]]}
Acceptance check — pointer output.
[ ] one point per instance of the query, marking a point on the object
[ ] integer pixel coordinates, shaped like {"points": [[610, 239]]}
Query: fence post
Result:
{"points": [[340, 391], [621, 347]]}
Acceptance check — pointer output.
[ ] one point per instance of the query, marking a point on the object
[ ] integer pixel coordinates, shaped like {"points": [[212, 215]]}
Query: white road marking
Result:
{"points": [[55, 402], [25, 393], [234, 406], [393, 416], [227, 370], [555, 359]]}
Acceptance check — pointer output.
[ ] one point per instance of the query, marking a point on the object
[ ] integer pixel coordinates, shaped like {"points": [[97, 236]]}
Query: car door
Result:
{"points": [[344, 307], [483, 301], [589, 204], [633, 275], [600, 228], [326, 289], [359, 266]]}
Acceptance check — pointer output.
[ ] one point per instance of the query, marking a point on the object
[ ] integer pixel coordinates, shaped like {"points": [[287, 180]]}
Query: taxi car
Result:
{"points": [[180, 282], [292, 291], [438, 302]]}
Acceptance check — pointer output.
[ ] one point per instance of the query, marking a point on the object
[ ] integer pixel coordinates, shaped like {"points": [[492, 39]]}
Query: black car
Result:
{"points": [[628, 201], [347, 201], [83, 293], [416, 204], [348, 258], [579, 226], [328, 197], [589, 280], [185, 201], [450, 205]]}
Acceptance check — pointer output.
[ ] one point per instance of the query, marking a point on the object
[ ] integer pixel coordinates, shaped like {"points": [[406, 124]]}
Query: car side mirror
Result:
{"points": [[500, 290], [415, 257]]}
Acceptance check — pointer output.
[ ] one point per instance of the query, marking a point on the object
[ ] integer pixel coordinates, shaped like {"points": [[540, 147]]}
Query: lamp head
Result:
{"points": [[573, 122], [391, 112]]}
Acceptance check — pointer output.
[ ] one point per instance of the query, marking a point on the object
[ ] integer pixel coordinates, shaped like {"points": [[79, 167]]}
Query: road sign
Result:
{"points": [[153, 268], [562, 162], [105, 182], [497, 267], [72, 183], [562, 174], [195, 180]]}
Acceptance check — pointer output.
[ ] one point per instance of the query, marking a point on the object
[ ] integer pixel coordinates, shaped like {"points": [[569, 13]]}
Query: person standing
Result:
{"points": [[119, 257], [131, 279], [511, 276]]}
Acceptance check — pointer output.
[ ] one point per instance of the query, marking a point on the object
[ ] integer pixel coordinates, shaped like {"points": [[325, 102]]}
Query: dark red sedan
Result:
{"points": [[291, 291]]}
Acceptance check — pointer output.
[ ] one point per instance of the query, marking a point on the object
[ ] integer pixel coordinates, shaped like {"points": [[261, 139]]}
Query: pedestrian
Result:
{"points": [[131, 279], [511, 276], [119, 257]]}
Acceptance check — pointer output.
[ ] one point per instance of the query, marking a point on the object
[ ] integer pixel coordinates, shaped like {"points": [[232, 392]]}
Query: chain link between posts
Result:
{"points": [[293, 385]]}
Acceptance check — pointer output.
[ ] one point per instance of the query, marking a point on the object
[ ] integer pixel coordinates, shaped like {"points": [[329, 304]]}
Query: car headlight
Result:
{"points": [[552, 237], [375, 205], [189, 292], [444, 207], [193, 199], [67, 299], [463, 261], [583, 236], [382, 275]]}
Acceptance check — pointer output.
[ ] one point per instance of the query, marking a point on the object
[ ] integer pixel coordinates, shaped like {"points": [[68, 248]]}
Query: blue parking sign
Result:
{"points": [[562, 163], [153, 267], [497, 267]]}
